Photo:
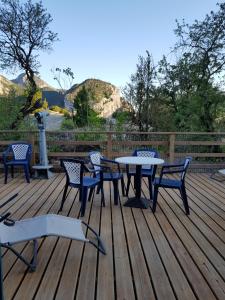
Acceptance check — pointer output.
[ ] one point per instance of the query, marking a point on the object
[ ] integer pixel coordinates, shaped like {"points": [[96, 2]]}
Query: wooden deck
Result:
{"points": [[163, 256]]}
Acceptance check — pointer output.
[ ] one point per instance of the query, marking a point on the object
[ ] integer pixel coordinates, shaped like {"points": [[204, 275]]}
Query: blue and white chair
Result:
{"points": [[146, 171], [165, 182], [75, 178], [17, 154], [110, 170]]}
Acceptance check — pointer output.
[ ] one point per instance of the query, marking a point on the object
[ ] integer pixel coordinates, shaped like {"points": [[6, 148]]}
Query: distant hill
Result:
{"points": [[98, 88], [105, 96], [7, 85], [21, 81]]}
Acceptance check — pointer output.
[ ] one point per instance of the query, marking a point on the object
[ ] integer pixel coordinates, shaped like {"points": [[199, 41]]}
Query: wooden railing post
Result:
{"points": [[109, 145], [172, 147]]}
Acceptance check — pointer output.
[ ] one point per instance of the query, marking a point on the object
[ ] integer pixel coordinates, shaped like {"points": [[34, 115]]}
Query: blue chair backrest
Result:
{"points": [[21, 151], [187, 161], [74, 170], [95, 158], [146, 153]]}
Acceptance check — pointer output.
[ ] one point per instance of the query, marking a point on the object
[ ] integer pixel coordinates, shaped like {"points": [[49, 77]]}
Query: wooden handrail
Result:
{"points": [[171, 145]]}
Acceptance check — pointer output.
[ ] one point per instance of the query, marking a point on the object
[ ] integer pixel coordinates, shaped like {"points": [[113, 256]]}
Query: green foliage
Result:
{"points": [[67, 124], [183, 95], [85, 115], [24, 32], [60, 110], [9, 109], [141, 92]]}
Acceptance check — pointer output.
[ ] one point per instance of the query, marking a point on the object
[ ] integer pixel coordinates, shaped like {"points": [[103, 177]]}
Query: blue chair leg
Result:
{"points": [[128, 184], [12, 171], [155, 196], [150, 186], [185, 200], [102, 194], [26, 170], [64, 197], [123, 186], [98, 189], [90, 193], [83, 193], [115, 191], [6, 173]]}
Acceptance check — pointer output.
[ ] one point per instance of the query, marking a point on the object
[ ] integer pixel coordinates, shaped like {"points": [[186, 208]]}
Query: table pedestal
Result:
{"points": [[137, 201]]}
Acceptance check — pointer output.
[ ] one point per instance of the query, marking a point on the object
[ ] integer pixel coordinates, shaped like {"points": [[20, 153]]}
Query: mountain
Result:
{"points": [[21, 81], [6, 86], [105, 97]]}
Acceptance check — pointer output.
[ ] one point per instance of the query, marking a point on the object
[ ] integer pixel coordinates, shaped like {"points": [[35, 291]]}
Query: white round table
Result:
{"points": [[138, 161]]}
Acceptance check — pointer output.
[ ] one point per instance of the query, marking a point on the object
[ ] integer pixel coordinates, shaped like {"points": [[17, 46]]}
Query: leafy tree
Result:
{"points": [[85, 115], [9, 109], [202, 47], [141, 93], [24, 31]]}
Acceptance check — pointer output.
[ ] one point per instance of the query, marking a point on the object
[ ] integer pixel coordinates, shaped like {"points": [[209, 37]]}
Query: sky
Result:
{"points": [[102, 39]]}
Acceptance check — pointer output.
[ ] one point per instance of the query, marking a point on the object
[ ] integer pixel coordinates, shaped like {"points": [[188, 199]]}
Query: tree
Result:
{"points": [[85, 115], [140, 92], [24, 31], [202, 45], [64, 78]]}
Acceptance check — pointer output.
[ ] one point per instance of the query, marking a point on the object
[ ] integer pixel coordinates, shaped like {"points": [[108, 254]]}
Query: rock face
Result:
{"points": [[104, 97], [107, 106], [5, 85]]}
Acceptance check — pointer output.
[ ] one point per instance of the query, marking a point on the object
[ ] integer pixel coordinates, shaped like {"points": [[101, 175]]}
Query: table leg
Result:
{"points": [[137, 201]]}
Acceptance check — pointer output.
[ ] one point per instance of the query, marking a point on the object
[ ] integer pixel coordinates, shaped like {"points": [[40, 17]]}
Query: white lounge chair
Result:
{"points": [[218, 175], [14, 232]]}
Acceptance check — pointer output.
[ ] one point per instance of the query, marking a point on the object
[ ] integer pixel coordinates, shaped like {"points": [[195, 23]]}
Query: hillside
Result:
{"points": [[21, 81], [105, 97], [6, 86]]}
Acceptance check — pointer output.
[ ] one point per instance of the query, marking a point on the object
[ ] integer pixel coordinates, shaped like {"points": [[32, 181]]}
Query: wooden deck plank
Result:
{"points": [[161, 284], [181, 224], [70, 273], [105, 284], [87, 280], [175, 273], [123, 272], [142, 280], [163, 256]]}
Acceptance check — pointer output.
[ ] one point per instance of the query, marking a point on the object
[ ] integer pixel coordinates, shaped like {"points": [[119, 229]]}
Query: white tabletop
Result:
{"points": [[138, 160]]}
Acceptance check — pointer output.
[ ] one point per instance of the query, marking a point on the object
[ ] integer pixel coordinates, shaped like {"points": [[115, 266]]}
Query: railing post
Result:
{"points": [[172, 147], [109, 145]]}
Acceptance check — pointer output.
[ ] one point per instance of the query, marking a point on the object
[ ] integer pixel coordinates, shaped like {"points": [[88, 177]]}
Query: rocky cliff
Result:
{"points": [[104, 97]]}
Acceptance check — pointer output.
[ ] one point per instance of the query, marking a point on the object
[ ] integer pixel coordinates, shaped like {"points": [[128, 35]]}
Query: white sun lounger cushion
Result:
{"points": [[40, 226], [222, 171]]}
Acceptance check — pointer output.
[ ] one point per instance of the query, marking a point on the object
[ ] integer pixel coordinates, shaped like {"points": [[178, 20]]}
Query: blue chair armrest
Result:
{"points": [[106, 160]]}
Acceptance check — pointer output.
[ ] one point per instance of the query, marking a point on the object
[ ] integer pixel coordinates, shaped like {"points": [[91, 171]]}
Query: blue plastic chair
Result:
{"points": [[75, 178], [100, 163], [146, 171], [17, 154], [161, 181]]}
